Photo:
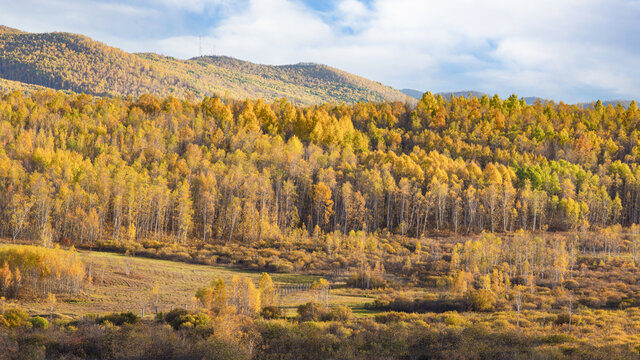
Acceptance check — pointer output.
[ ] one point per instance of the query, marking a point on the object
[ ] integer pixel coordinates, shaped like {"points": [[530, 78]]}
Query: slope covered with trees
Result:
{"points": [[80, 169], [83, 168], [7, 86], [73, 62]]}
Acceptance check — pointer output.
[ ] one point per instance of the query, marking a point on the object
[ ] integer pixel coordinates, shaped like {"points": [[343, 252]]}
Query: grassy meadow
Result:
{"points": [[112, 290]]}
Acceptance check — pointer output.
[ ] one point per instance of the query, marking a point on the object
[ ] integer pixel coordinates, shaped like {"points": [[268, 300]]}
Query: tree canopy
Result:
{"points": [[77, 168]]}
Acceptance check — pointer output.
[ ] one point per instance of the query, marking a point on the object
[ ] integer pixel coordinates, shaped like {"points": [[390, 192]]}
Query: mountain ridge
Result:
{"points": [[73, 62]]}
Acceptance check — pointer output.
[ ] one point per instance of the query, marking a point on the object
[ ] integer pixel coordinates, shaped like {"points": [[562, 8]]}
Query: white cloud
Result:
{"points": [[194, 6], [267, 31], [564, 50], [352, 14]]}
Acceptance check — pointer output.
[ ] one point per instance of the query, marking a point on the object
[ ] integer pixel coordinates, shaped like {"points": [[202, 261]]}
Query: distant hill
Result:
{"points": [[614, 103], [464, 94], [530, 100], [416, 94], [65, 61]]}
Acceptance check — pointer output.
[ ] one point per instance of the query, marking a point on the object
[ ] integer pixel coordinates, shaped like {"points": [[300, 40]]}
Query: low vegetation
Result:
{"points": [[183, 334]]}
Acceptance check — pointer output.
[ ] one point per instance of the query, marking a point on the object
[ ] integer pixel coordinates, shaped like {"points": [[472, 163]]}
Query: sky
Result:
{"points": [[569, 50]]}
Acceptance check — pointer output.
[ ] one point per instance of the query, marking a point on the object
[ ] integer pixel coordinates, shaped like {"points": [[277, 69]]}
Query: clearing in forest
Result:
{"points": [[122, 283]]}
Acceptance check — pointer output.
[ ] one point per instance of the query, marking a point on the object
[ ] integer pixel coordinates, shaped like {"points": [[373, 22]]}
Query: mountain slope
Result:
{"points": [[8, 30], [8, 86], [73, 62]]}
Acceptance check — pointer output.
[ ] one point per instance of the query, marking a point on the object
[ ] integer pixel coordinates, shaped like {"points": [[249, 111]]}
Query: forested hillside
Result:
{"points": [[82, 168], [7, 86], [73, 62]]}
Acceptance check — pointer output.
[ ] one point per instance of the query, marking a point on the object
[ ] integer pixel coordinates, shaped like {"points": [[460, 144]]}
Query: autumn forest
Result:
{"points": [[465, 227], [80, 169]]}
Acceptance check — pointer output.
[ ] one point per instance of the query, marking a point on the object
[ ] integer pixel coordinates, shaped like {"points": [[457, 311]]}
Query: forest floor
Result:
{"points": [[112, 290]]}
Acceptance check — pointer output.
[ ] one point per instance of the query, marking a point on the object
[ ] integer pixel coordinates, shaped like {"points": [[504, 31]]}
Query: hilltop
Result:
{"points": [[65, 61]]}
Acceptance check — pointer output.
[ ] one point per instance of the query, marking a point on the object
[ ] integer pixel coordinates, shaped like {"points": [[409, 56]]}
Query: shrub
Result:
{"points": [[282, 266], [181, 319], [14, 318], [172, 316], [119, 319], [340, 313], [614, 301], [479, 300], [152, 244], [590, 301], [311, 311], [570, 284], [562, 319], [557, 338], [271, 312], [39, 322], [390, 317], [404, 304], [454, 319], [192, 321]]}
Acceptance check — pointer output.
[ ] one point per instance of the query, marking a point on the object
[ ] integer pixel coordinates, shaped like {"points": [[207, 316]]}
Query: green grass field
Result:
{"points": [[112, 290]]}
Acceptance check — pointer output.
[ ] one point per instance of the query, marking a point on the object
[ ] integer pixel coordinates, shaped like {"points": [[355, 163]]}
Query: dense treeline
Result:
{"points": [[77, 169]]}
